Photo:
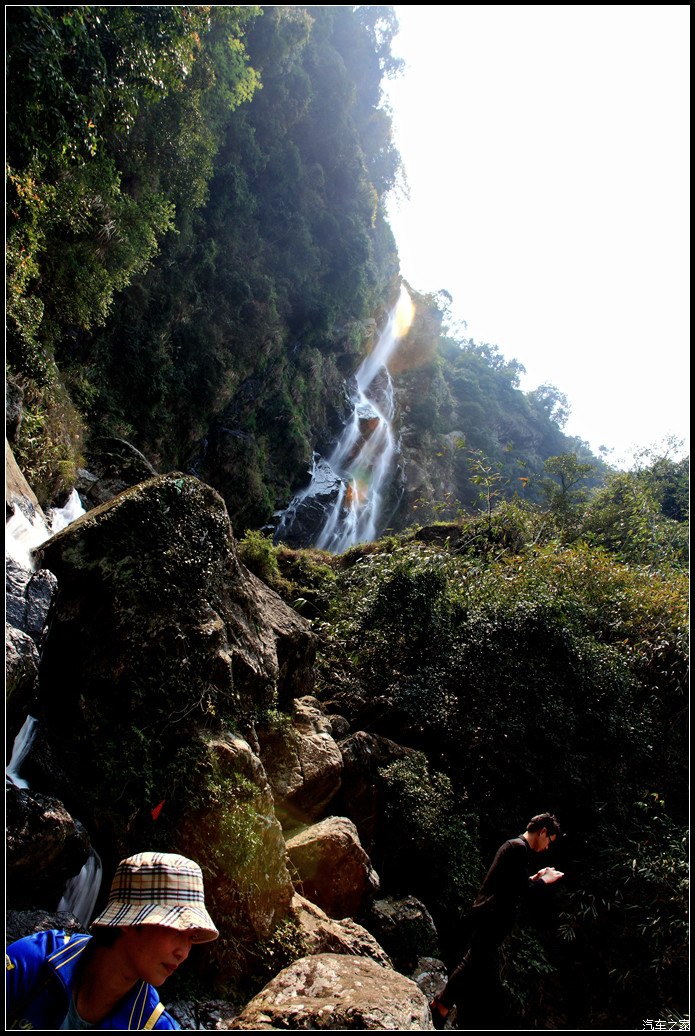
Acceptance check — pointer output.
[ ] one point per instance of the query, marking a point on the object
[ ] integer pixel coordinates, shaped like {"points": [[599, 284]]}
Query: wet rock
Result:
{"points": [[21, 673], [28, 598], [332, 868], [330, 991], [306, 514]]}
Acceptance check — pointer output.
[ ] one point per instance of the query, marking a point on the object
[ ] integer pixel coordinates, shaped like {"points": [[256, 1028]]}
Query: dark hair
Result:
{"points": [[105, 936], [544, 820]]}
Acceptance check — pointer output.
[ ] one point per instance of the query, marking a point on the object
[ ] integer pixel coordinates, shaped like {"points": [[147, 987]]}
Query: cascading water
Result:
{"points": [[345, 497], [23, 535], [20, 750], [80, 893]]}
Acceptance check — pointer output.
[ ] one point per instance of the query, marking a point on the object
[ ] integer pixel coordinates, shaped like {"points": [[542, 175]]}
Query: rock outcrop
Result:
{"points": [[45, 847], [406, 930], [303, 763], [320, 933], [330, 991], [363, 756], [160, 644], [114, 465]]}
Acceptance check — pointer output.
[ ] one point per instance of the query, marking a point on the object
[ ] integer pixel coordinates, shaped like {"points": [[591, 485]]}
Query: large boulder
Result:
{"points": [[162, 633], [331, 991], [406, 930], [303, 763], [320, 933], [160, 645], [332, 868]]}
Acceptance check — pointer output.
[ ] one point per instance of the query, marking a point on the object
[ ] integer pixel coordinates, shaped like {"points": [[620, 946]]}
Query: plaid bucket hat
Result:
{"points": [[158, 888]]}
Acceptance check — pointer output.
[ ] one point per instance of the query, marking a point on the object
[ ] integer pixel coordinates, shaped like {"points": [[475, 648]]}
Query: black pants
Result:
{"points": [[475, 986]]}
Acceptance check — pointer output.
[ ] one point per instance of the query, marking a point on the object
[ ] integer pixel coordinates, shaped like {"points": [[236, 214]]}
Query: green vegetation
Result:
{"points": [[531, 670]]}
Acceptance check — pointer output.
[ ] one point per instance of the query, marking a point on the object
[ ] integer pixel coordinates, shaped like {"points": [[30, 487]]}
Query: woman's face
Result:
{"points": [[153, 952]]}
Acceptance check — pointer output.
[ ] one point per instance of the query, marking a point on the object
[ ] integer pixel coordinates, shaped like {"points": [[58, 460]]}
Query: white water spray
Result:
{"points": [[61, 517], [81, 892], [20, 750], [24, 535]]}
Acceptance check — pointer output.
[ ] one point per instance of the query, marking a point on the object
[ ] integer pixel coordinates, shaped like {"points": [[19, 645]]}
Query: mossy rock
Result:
{"points": [[156, 637]]}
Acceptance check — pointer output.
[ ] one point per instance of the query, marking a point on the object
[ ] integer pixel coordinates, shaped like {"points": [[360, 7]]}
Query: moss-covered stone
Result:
{"points": [[157, 637]]}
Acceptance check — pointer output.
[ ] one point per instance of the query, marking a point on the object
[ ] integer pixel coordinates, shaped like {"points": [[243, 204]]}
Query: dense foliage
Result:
{"points": [[192, 267], [197, 249]]}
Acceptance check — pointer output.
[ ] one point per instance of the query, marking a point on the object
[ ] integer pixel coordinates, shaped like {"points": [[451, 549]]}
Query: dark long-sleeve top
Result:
{"points": [[506, 883]]}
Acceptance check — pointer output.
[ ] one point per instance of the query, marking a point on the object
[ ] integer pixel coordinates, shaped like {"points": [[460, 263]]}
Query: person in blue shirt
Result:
{"points": [[109, 979]]}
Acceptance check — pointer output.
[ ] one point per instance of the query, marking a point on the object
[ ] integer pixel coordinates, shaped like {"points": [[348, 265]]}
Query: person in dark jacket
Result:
{"points": [[508, 882], [154, 914]]}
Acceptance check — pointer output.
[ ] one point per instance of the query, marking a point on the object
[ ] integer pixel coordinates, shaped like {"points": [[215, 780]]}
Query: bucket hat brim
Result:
{"points": [[182, 918]]}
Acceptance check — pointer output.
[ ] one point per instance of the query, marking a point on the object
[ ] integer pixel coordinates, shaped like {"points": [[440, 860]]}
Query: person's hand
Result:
{"points": [[547, 875]]}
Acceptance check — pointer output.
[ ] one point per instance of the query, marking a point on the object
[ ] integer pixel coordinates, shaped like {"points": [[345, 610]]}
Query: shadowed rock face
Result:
{"points": [[329, 991], [158, 632], [114, 465], [45, 847], [160, 644]]}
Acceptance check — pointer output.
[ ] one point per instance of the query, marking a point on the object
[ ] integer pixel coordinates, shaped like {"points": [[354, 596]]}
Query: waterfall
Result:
{"points": [[81, 892], [20, 750], [61, 517], [23, 534], [344, 501]]}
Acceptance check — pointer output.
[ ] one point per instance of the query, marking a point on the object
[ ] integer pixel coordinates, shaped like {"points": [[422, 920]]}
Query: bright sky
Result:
{"points": [[546, 149]]}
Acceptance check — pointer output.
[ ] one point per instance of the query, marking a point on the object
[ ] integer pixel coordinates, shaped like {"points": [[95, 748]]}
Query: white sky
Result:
{"points": [[546, 149]]}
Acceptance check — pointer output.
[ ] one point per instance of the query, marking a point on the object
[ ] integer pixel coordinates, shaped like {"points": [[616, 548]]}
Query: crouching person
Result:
{"points": [[154, 914]]}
